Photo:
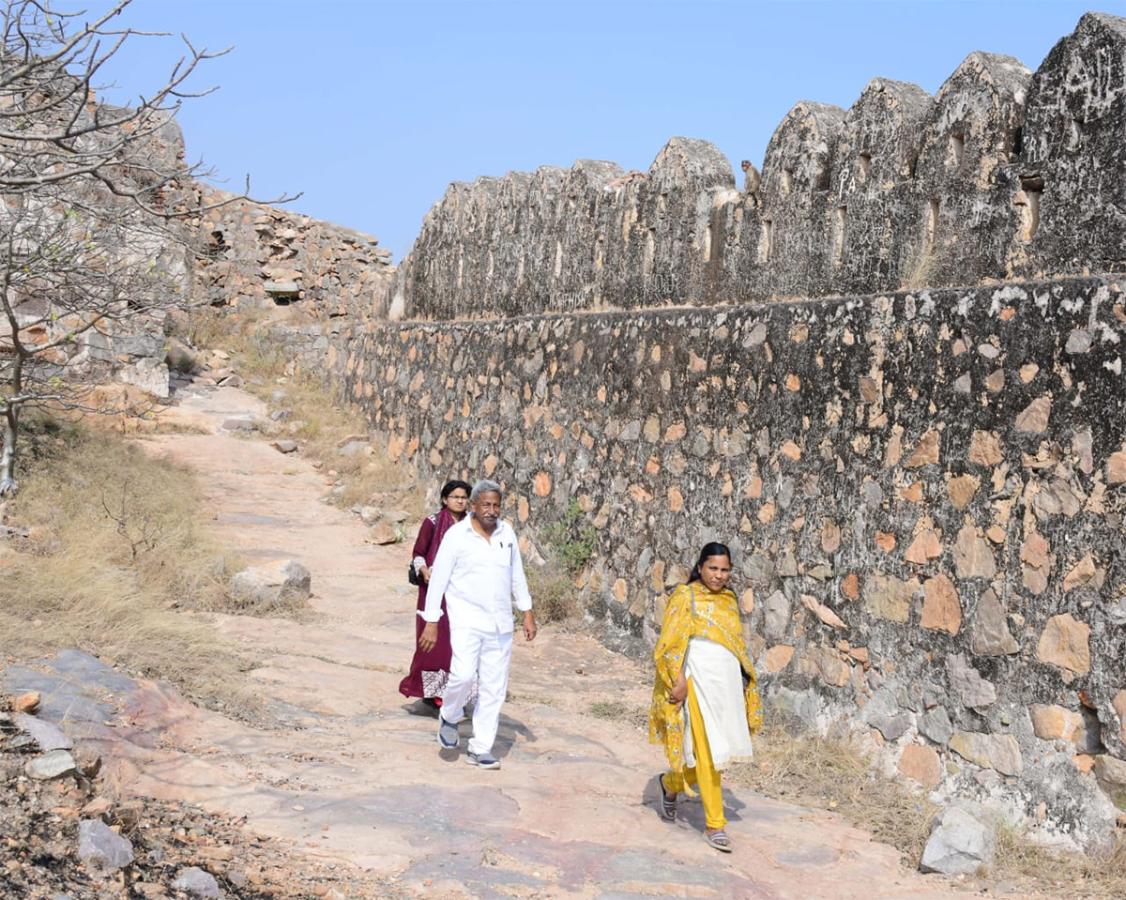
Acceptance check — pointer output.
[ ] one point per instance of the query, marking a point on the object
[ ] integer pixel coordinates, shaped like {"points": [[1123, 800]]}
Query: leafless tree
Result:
{"points": [[96, 208]]}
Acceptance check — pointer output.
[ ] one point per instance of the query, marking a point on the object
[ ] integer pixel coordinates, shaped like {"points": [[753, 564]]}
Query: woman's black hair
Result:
{"points": [[450, 486], [712, 548]]}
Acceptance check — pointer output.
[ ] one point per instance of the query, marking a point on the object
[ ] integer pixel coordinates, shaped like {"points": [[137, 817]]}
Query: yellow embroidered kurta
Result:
{"points": [[716, 619]]}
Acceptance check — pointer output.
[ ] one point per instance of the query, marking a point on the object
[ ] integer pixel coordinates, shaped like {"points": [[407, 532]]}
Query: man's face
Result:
{"points": [[487, 508]]}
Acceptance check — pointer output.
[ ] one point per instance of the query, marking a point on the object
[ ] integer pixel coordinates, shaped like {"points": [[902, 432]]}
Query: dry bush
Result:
{"points": [[833, 773], [553, 592], [115, 545]]}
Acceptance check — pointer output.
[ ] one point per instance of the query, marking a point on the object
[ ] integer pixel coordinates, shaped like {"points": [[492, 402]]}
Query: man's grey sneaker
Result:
{"points": [[447, 734], [482, 760]]}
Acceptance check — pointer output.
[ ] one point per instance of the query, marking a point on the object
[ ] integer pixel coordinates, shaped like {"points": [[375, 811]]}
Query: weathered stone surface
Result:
{"points": [[959, 844], [926, 546], [196, 882], [962, 490], [1084, 574], [992, 751], [777, 658], [284, 446], [1116, 468], [888, 597], [1065, 642], [1055, 723], [973, 557], [150, 375], [51, 765], [1034, 418], [942, 610], [1110, 770], [46, 735], [991, 635], [101, 848], [921, 764], [776, 615], [967, 683], [272, 583], [925, 452], [935, 725], [826, 615], [985, 449], [1119, 704]]}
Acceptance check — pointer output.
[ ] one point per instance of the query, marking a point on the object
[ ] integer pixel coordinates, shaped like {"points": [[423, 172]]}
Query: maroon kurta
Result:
{"points": [[429, 670]]}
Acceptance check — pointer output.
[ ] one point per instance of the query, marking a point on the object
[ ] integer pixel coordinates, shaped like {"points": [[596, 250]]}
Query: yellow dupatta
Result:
{"points": [[695, 611]]}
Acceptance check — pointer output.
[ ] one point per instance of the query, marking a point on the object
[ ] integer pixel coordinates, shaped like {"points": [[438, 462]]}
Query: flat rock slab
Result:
{"points": [[76, 688], [46, 735]]}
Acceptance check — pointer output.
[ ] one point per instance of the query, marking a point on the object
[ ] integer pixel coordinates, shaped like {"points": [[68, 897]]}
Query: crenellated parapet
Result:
{"points": [[1003, 174]]}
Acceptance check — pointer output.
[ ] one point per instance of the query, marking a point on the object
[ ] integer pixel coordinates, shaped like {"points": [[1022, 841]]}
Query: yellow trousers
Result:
{"points": [[704, 779]]}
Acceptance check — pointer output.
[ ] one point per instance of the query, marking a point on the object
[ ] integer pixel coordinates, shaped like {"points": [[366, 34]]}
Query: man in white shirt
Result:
{"points": [[479, 571]]}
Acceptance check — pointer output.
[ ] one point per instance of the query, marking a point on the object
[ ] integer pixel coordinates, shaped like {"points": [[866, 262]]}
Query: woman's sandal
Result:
{"points": [[719, 840], [668, 807]]}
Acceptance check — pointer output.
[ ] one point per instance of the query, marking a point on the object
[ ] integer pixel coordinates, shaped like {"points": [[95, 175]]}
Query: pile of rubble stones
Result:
{"points": [[63, 837]]}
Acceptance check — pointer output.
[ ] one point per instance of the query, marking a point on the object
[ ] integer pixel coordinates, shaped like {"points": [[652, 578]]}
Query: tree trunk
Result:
{"points": [[8, 484]]}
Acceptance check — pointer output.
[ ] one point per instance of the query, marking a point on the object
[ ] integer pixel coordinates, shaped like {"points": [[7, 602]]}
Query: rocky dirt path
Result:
{"points": [[355, 774]]}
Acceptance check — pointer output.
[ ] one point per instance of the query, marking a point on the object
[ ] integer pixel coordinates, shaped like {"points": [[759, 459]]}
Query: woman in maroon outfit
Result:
{"points": [[430, 669]]}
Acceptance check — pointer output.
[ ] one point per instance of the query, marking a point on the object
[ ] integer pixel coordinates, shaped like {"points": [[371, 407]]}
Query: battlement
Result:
{"points": [[1004, 174]]}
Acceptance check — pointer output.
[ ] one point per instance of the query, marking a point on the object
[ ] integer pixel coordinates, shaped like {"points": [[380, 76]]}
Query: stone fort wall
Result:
{"points": [[924, 492], [1003, 174], [924, 484]]}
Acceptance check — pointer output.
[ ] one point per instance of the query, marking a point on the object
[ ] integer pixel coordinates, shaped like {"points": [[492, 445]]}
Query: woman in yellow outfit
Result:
{"points": [[706, 703]]}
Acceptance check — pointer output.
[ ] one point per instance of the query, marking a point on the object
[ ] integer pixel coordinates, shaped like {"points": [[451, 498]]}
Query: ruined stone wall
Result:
{"points": [[257, 255], [924, 491], [1003, 174]]}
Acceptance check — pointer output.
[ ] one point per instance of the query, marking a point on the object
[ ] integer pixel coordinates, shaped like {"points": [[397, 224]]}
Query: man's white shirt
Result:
{"points": [[479, 579]]}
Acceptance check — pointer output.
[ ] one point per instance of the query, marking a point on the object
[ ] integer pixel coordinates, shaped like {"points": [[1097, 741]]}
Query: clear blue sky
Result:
{"points": [[372, 108]]}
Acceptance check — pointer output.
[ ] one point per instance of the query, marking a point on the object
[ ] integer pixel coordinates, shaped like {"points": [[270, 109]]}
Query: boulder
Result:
{"points": [[196, 882], [26, 703], [383, 532], [959, 844], [55, 764], [272, 583], [99, 847], [285, 446]]}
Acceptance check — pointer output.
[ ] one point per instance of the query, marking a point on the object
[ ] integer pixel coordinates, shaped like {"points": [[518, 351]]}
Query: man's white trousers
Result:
{"points": [[483, 655]]}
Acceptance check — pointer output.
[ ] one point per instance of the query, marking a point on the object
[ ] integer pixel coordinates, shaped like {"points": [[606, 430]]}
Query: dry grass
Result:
{"points": [[115, 546], [833, 773], [1036, 869]]}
